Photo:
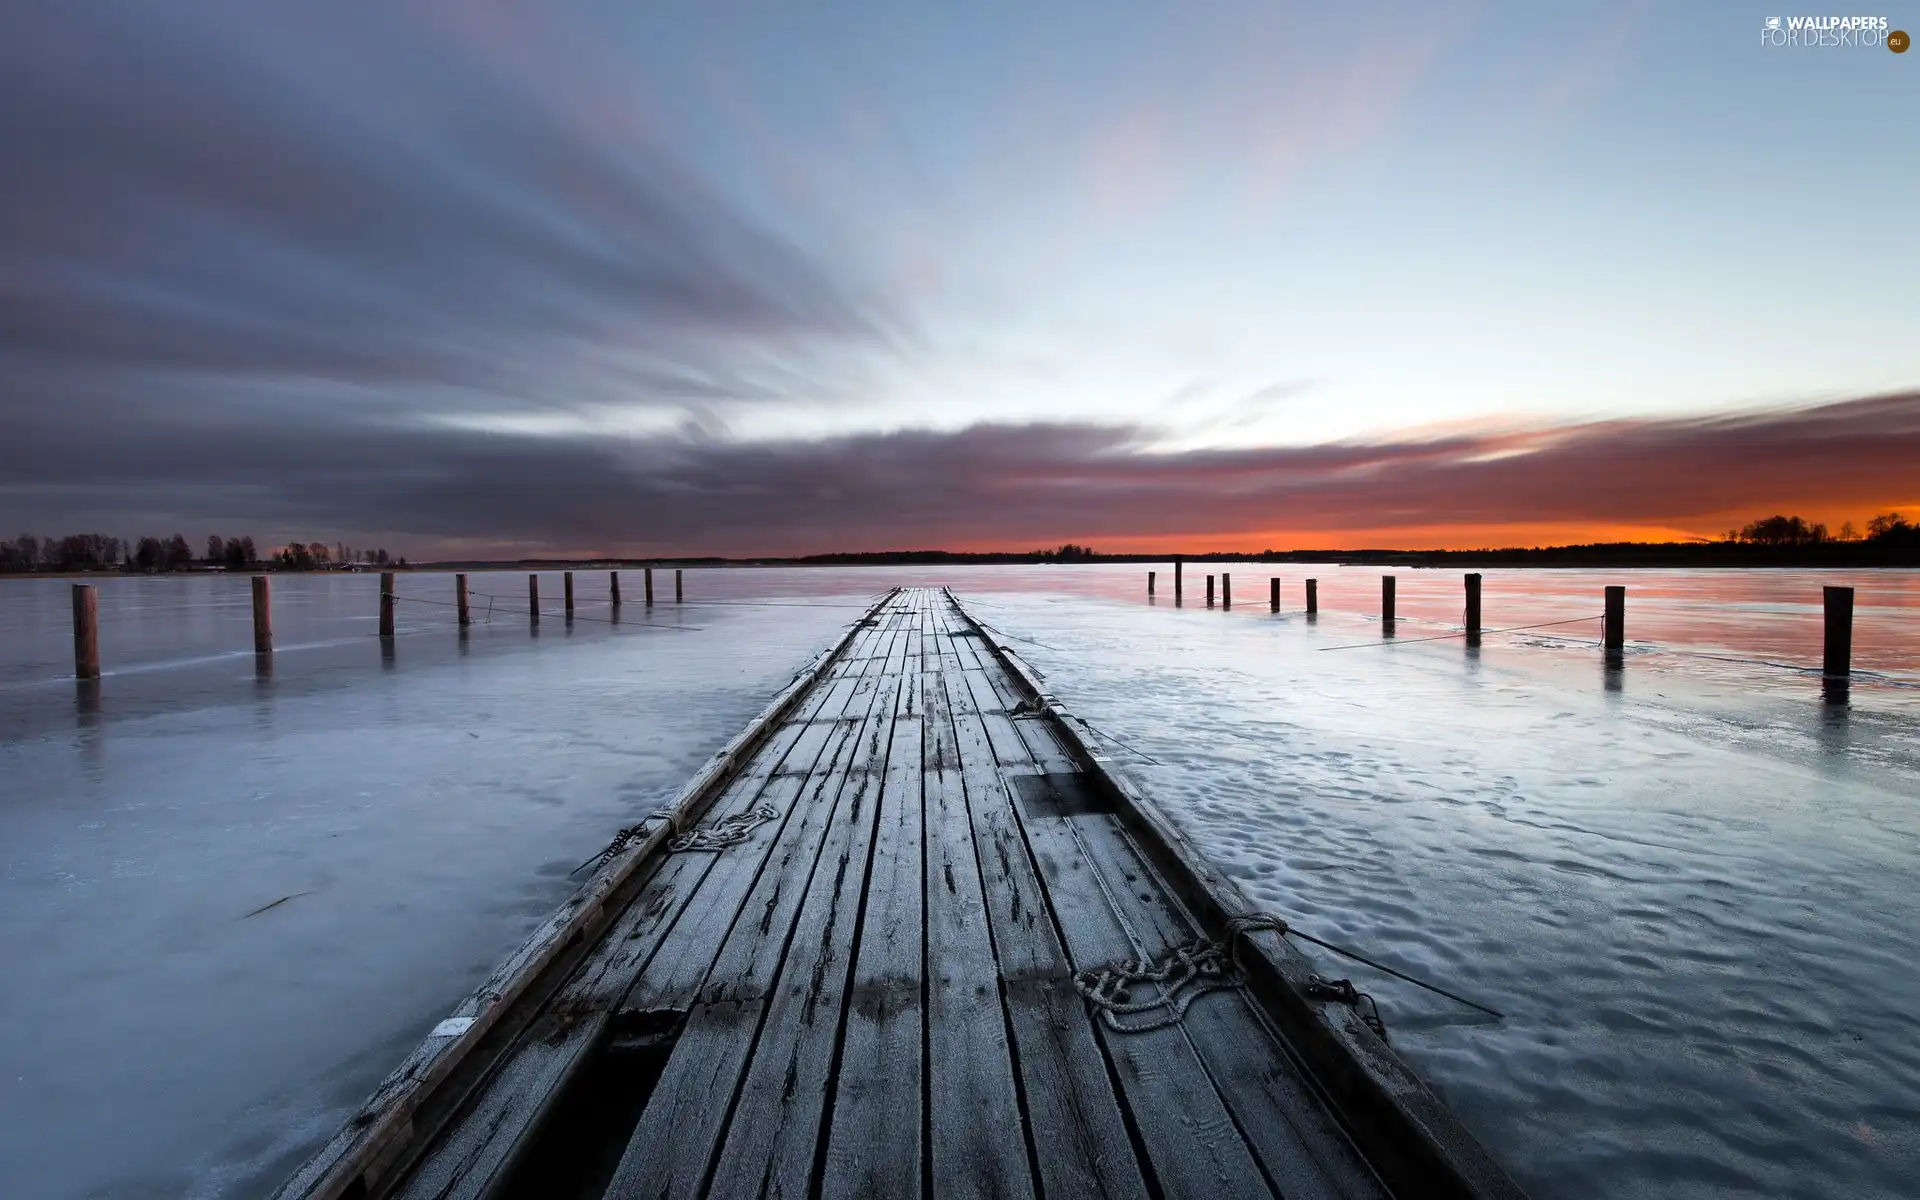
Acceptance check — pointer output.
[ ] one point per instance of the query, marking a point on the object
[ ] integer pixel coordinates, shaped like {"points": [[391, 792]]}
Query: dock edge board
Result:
{"points": [[382, 1137], [1410, 1138]]}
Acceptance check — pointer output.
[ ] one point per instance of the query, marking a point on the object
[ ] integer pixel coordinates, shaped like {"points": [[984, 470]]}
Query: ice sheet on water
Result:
{"points": [[1689, 884], [166, 1027]]}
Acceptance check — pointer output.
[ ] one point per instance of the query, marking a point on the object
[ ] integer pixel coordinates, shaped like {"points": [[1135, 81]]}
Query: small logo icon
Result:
{"points": [[1773, 22], [1898, 41]]}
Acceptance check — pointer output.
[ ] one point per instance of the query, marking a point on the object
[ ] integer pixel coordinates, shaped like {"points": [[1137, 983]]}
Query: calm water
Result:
{"points": [[1689, 884]]}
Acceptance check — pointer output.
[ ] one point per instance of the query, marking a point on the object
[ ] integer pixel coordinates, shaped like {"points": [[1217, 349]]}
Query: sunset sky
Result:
{"points": [[464, 277]]}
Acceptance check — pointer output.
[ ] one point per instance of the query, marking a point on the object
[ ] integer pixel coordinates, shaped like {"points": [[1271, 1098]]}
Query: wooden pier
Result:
{"points": [[843, 963]]}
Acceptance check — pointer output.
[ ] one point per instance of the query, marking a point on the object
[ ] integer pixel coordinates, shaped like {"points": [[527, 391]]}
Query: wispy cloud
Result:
{"points": [[998, 485], [409, 198]]}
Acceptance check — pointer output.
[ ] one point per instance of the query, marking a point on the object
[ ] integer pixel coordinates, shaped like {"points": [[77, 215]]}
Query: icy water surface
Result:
{"points": [[1688, 882]]}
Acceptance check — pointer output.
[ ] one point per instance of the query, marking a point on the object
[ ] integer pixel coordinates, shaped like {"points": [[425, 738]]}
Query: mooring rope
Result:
{"points": [[1189, 971], [1184, 974], [523, 612], [1441, 637], [1017, 638], [1283, 928], [1127, 746], [621, 840], [728, 831]]}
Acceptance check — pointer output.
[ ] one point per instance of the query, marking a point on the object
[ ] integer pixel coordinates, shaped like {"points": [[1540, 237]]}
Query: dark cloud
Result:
{"points": [[1014, 485], [254, 256], [373, 195]]}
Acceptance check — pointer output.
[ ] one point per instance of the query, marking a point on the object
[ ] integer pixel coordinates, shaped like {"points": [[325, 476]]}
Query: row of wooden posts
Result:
{"points": [[1836, 660], [86, 611]]}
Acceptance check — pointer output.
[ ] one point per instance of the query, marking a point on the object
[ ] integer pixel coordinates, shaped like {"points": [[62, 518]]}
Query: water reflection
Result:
{"points": [[86, 701], [1834, 731]]}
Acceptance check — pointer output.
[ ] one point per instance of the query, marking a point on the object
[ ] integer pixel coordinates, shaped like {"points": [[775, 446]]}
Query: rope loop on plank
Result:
{"points": [[1178, 978], [728, 831], [1191, 970]]}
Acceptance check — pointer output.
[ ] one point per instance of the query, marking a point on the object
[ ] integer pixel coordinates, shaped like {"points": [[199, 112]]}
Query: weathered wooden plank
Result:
{"points": [[874, 1145], [1301, 1146], [1081, 1146], [675, 978], [475, 1154], [1189, 1135], [1298, 1143], [384, 1133], [1195, 1147], [774, 1137], [1408, 1137], [673, 1147], [977, 1144], [998, 694]]}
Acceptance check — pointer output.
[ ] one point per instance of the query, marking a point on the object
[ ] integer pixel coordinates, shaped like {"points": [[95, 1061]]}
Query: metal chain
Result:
{"points": [[729, 831]]}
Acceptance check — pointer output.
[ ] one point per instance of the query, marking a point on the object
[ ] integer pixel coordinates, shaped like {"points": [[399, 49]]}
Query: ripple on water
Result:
{"points": [[1700, 920]]}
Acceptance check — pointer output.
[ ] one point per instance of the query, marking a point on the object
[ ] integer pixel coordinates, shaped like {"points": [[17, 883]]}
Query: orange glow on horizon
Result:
{"points": [[1462, 537], [1430, 537]]}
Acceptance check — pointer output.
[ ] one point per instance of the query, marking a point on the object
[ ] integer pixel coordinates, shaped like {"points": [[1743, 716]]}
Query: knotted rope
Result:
{"points": [[1189, 971], [1182, 975], [728, 831]]}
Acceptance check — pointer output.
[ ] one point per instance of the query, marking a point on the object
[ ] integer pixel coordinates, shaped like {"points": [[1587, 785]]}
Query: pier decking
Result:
{"points": [[853, 975]]}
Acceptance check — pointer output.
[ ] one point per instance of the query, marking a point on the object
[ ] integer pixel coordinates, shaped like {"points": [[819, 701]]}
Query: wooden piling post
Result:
{"points": [[1837, 662], [1386, 599], [1226, 590], [1473, 603], [1149, 583], [649, 589], [1273, 595], [678, 595], [613, 584], [567, 582], [1614, 625], [262, 617], [1313, 595], [460, 600], [533, 597], [1209, 591], [386, 604], [86, 631], [1176, 580]]}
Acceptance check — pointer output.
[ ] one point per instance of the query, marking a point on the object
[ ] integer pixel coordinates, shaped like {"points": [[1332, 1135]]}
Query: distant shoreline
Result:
{"points": [[1615, 556]]}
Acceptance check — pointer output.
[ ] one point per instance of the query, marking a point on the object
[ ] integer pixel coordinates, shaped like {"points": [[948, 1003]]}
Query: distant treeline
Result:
{"points": [[1066, 553], [1778, 541], [1890, 540], [151, 555]]}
